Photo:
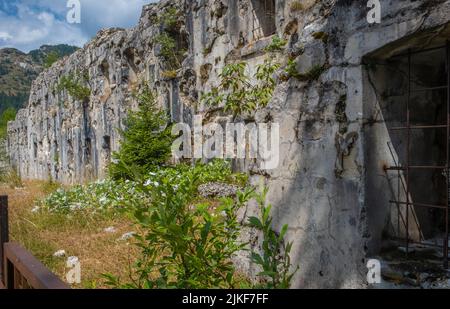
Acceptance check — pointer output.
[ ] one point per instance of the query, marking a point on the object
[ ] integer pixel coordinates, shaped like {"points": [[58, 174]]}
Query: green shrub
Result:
{"points": [[183, 246], [275, 260], [146, 140], [169, 19], [169, 50], [74, 85], [186, 244]]}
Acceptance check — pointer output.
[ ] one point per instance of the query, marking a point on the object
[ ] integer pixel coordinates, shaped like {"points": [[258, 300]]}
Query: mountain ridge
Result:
{"points": [[18, 70]]}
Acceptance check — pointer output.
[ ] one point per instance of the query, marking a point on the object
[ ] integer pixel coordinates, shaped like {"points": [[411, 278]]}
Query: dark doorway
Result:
{"points": [[416, 105], [263, 18]]}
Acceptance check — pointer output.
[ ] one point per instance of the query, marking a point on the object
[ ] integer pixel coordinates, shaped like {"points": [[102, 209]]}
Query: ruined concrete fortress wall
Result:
{"points": [[329, 186], [71, 139]]}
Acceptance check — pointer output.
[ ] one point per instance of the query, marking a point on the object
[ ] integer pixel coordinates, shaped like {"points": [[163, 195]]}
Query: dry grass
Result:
{"points": [[79, 235]]}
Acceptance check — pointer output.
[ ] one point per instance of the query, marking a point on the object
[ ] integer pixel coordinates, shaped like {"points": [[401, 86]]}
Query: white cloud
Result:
{"points": [[5, 36], [39, 22]]}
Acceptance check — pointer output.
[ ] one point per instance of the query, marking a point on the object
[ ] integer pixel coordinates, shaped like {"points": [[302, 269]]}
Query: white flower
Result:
{"points": [[127, 236], [110, 229], [75, 206], [72, 261], [152, 174], [59, 253], [148, 183], [35, 209]]}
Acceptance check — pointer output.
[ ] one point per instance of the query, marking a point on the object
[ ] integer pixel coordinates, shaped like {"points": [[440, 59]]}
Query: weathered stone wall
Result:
{"points": [[70, 140], [327, 187]]}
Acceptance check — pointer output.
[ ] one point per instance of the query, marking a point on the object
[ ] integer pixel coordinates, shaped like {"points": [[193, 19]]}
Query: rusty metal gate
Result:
{"points": [[407, 166]]}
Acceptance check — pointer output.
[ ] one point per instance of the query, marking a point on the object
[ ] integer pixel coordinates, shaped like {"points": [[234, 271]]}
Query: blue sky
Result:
{"points": [[28, 24]]}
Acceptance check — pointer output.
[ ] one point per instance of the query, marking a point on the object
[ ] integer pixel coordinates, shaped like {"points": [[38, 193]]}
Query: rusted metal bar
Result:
{"points": [[408, 146], [4, 231], [430, 89], [445, 245], [410, 52], [420, 205], [420, 127], [396, 168], [24, 270]]}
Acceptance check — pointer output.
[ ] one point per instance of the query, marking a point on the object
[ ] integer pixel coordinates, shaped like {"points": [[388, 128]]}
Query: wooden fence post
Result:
{"points": [[4, 233]]}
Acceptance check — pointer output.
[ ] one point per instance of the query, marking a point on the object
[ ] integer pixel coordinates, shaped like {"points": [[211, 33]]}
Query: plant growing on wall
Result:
{"points": [[276, 45], [167, 40], [237, 94], [74, 84]]}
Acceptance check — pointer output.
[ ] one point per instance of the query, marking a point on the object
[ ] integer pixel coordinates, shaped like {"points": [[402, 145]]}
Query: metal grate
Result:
{"points": [[263, 18], [405, 185]]}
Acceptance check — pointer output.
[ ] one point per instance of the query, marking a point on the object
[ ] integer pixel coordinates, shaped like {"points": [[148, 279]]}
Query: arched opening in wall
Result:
{"points": [[263, 18], [408, 143]]}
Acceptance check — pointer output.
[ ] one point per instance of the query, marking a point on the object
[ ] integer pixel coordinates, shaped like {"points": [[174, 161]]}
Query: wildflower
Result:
{"points": [[59, 253]]}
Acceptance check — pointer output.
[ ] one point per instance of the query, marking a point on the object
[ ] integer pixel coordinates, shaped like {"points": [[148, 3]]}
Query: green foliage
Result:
{"points": [[275, 259], [74, 85], [169, 19], [8, 115], [147, 140], [184, 245], [169, 50], [50, 59], [237, 94], [276, 45], [98, 197], [112, 194]]}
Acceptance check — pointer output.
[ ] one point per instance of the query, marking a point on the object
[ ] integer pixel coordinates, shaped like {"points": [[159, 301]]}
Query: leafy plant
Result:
{"points": [[185, 244], [237, 94], [276, 45], [146, 141], [169, 50], [74, 85], [275, 259], [169, 18]]}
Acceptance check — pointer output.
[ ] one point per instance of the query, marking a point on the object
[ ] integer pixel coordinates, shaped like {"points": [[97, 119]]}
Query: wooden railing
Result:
{"points": [[19, 269]]}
